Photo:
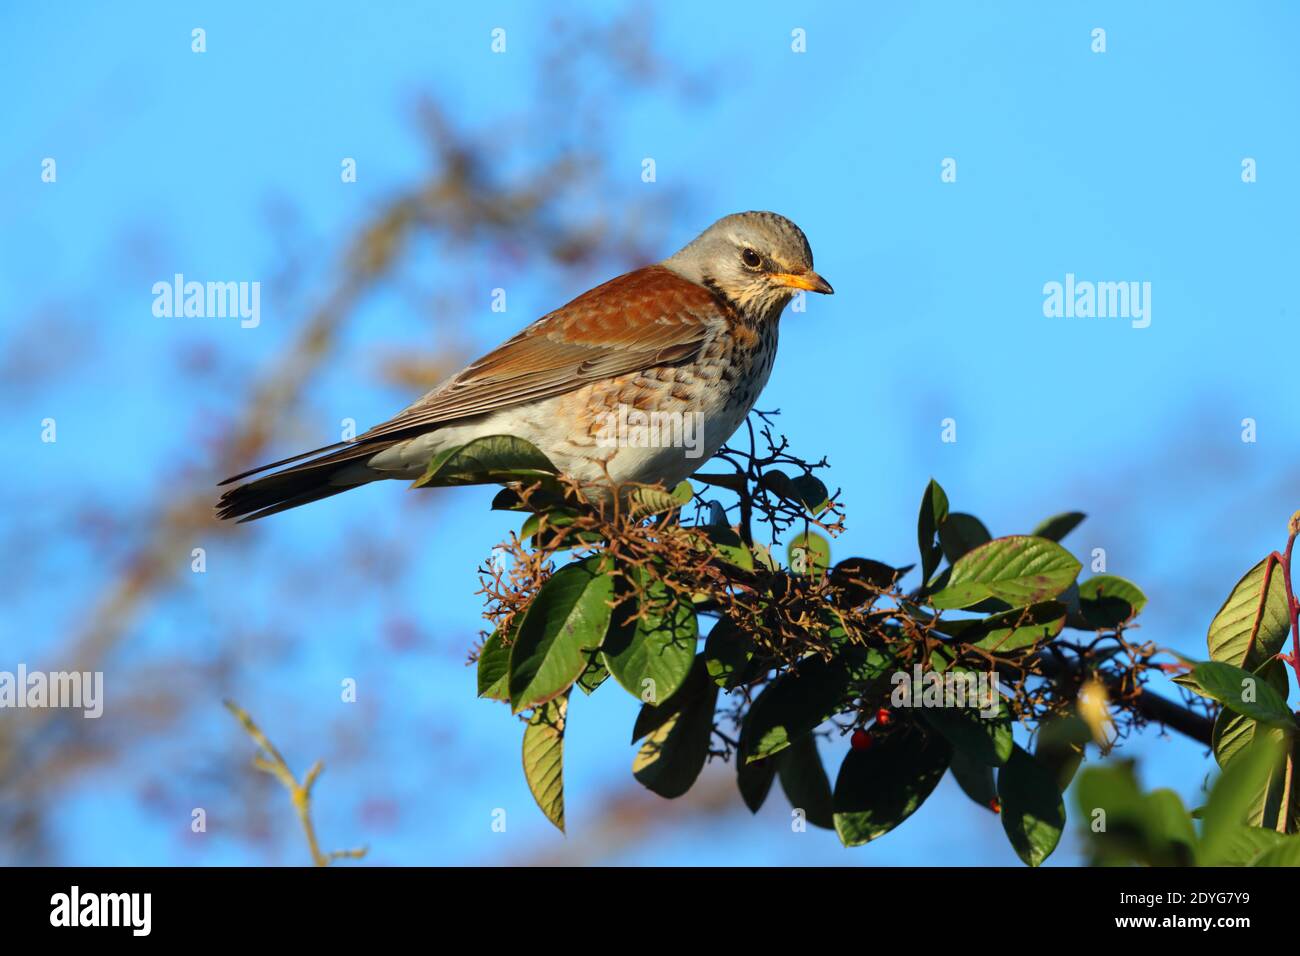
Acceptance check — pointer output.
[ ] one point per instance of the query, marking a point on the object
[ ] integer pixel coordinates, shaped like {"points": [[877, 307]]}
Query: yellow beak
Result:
{"points": [[809, 281]]}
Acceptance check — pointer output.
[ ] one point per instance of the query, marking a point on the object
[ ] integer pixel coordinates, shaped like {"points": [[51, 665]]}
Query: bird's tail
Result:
{"points": [[299, 485]]}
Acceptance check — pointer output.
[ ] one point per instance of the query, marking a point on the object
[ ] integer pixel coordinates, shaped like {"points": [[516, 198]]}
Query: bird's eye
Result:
{"points": [[751, 258]]}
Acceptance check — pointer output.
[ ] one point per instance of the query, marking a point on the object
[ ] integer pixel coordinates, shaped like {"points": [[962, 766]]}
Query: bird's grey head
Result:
{"points": [[755, 260]]}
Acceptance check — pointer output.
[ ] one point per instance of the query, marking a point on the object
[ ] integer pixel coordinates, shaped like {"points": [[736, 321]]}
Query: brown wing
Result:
{"points": [[645, 318]]}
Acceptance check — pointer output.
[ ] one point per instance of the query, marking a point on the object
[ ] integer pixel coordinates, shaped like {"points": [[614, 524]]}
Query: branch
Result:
{"points": [[268, 760], [1153, 707]]}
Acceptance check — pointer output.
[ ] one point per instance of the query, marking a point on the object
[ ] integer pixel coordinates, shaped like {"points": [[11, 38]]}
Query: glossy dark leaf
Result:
{"points": [[754, 781], [960, 533], [651, 656], [934, 509], [879, 788], [975, 779], [1105, 602], [792, 705], [494, 668], [675, 751], [494, 458], [1057, 527], [983, 739], [568, 618], [809, 490], [727, 653], [1033, 813], [804, 780]]}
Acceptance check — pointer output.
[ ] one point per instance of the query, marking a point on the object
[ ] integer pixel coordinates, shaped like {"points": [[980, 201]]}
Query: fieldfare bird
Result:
{"points": [[691, 340]]}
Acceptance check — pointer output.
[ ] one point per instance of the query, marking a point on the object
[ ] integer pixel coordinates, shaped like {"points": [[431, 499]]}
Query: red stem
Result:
{"points": [[1293, 607]]}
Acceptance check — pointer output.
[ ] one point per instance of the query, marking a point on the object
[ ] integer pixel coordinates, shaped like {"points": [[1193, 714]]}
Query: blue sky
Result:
{"points": [[1116, 166]]}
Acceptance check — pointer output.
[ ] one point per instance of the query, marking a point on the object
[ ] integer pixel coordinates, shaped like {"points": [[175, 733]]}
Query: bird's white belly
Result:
{"points": [[623, 445]]}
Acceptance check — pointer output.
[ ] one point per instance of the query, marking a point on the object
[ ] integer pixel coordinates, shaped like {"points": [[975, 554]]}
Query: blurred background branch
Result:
{"points": [[530, 189]]}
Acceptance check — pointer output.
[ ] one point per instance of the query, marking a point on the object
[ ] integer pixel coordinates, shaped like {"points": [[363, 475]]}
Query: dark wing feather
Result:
{"points": [[284, 461]]}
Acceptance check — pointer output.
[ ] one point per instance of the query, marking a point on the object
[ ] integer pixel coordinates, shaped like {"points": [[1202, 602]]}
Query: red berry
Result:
{"points": [[883, 716], [995, 806], [861, 740]]}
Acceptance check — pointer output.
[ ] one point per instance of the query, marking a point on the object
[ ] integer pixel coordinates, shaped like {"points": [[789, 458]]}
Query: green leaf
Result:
{"points": [[651, 716], [540, 499], [1058, 526], [975, 779], [1018, 569], [727, 653], [1276, 804], [763, 557], [879, 788], [1012, 630], [1126, 826], [1113, 811], [859, 579], [649, 500], [1244, 693], [809, 553], [568, 617], [1242, 845], [754, 781], [1234, 732], [675, 752], [1284, 852], [1252, 624], [960, 533], [556, 519], [934, 509], [494, 668], [494, 458], [1107, 601], [544, 758], [507, 499], [1060, 747], [986, 740], [1188, 681], [593, 675], [870, 667], [1033, 814], [803, 778], [792, 705], [1235, 794], [651, 655], [1170, 827], [730, 547]]}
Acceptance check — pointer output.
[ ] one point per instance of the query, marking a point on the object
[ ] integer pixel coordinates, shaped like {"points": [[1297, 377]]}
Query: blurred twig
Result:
{"points": [[268, 760], [516, 191]]}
